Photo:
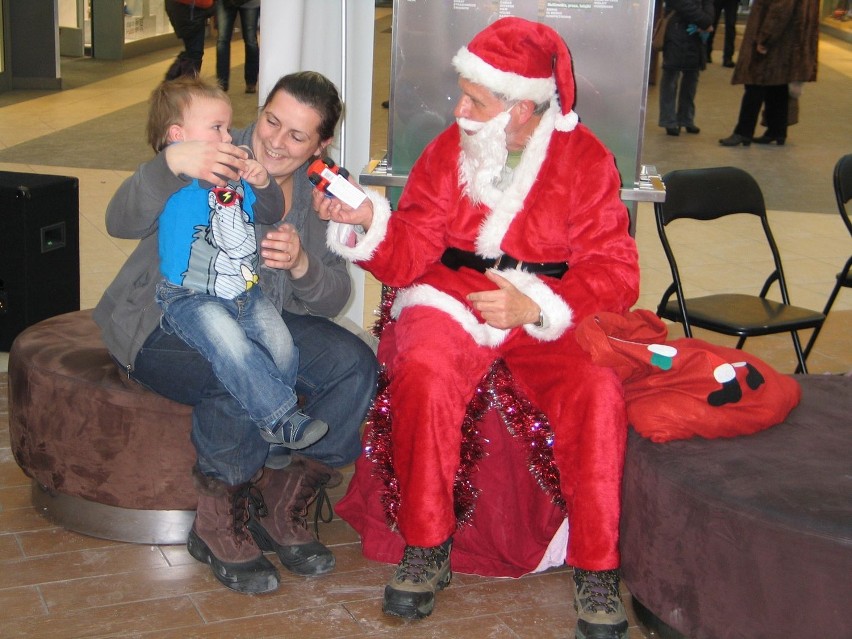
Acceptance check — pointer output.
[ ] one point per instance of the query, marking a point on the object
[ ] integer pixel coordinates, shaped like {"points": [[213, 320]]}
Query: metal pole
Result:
{"points": [[343, 80]]}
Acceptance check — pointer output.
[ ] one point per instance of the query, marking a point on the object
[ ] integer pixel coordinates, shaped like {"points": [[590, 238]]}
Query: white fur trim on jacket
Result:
{"points": [[557, 313], [426, 295], [507, 204], [352, 242]]}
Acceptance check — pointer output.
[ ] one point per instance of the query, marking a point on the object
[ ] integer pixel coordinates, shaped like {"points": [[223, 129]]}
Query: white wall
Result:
{"points": [[332, 37]]}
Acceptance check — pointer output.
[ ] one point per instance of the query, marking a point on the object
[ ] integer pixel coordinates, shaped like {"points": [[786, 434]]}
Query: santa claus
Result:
{"points": [[509, 231]]}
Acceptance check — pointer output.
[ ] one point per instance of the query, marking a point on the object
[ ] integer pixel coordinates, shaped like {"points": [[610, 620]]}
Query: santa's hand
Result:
{"points": [[505, 307], [331, 208]]}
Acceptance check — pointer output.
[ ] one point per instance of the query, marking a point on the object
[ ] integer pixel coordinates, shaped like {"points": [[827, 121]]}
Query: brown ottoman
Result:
{"points": [[746, 537], [108, 458]]}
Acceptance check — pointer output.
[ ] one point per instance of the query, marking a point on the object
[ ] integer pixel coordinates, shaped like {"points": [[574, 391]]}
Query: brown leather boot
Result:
{"points": [[220, 538], [282, 526]]}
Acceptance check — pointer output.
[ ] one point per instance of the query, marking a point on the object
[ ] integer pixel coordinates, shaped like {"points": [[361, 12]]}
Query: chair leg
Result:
{"points": [[825, 311], [802, 367]]}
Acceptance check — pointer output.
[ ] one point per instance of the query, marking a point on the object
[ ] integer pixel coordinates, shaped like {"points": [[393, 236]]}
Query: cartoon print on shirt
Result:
{"points": [[231, 265]]}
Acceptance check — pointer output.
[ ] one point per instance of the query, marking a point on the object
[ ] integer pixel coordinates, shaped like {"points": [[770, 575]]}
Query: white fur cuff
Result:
{"points": [[553, 307], [345, 239]]}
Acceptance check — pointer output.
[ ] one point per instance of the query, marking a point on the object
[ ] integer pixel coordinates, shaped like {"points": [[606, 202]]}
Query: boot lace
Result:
{"points": [[597, 590], [419, 564], [248, 502], [312, 491]]}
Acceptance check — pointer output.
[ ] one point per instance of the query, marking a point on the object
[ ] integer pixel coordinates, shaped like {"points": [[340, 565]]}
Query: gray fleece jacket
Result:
{"points": [[128, 313]]}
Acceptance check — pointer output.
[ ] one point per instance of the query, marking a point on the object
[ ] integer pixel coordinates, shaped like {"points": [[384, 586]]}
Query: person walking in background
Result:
{"points": [[189, 20], [730, 7], [779, 47], [684, 57], [226, 14]]}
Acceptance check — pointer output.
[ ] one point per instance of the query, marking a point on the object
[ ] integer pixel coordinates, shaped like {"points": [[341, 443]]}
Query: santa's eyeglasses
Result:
{"points": [[227, 196]]}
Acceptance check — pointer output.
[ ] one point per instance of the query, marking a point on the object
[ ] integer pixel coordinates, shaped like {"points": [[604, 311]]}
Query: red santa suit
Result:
{"points": [[561, 206]]}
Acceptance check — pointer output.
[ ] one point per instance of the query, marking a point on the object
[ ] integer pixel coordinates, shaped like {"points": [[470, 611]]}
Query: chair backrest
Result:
{"points": [[843, 187], [707, 194]]}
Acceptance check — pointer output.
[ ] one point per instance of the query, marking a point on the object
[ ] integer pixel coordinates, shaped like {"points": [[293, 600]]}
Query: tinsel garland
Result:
{"points": [[378, 450], [383, 312], [523, 421], [528, 424]]}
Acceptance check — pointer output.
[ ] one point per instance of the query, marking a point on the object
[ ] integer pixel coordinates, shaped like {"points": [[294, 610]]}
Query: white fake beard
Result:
{"points": [[483, 157]]}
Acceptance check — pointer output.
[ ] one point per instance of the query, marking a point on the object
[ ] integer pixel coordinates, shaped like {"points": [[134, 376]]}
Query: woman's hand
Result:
{"points": [[281, 248], [215, 162]]}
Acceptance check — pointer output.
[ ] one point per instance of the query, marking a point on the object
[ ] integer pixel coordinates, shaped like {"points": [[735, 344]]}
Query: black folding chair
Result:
{"points": [[843, 193], [709, 194]]}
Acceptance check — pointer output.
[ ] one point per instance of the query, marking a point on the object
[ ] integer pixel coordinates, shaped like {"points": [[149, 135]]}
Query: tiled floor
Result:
{"points": [[58, 584]]}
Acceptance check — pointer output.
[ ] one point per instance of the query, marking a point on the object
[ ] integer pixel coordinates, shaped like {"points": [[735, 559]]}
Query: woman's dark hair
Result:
{"points": [[316, 91]]}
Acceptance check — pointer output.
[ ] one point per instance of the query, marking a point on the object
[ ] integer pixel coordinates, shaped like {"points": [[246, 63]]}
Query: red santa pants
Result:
{"points": [[434, 365]]}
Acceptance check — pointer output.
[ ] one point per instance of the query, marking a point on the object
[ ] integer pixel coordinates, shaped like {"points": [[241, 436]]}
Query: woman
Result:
{"points": [[226, 14], [243, 508], [779, 47], [684, 57]]}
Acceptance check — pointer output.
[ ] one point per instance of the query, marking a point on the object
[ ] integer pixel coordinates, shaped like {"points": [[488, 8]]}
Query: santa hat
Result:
{"points": [[521, 60]]}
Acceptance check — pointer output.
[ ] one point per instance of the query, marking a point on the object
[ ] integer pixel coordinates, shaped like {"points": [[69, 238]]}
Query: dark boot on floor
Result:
{"points": [[768, 138], [600, 613], [282, 525], [219, 537], [672, 130], [735, 139], [421, 573]]}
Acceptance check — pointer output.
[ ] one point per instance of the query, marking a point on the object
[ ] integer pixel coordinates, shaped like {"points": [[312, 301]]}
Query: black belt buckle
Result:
{"points": [[506, 262]]}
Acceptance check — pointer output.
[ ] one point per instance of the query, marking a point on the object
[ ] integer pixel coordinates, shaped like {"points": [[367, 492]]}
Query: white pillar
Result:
{"points": [[332, 37]]}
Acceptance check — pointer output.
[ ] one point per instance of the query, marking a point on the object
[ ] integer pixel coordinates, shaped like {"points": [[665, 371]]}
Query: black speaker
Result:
{"points": [[39, 250]]}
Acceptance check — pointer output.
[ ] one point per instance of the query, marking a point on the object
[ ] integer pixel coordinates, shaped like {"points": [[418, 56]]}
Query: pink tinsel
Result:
{"points": [[525, 423]]}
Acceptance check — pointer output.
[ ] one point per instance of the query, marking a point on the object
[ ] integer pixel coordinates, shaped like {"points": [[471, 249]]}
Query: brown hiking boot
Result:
{"points": [[421, 573], [600, 613], [219, 537], [282, 527]]}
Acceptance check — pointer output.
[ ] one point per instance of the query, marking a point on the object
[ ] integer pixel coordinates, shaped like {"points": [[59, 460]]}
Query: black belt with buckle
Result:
{"points": [[456, 258]]}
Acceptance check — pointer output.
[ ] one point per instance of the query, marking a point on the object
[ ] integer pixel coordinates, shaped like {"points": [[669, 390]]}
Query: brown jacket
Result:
{"points": [[789, 29]]}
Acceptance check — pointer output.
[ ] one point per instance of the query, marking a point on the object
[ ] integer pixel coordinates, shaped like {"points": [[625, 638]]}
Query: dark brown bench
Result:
{"points": [[108, 458], [746, 537]]}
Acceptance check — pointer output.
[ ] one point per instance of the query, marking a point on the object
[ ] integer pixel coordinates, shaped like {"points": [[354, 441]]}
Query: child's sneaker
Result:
{"points": [[296, 431]]}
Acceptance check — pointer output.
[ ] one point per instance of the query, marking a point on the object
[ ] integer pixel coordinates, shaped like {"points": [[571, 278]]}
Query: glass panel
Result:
{"points": [[144, 19], [608, 40], [68, 14]]}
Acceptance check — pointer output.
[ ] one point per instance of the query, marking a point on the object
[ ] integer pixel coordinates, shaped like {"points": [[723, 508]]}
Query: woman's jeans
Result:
{"points": [[677, 105], [337, 378], [246, 342], [225, 17]]}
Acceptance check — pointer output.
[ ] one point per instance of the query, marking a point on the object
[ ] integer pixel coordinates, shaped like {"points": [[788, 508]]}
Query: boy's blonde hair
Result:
{"points": [[170, 100]]}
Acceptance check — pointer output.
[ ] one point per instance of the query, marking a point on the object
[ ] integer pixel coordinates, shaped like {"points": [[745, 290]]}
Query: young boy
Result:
{"points": [[209, 260]]}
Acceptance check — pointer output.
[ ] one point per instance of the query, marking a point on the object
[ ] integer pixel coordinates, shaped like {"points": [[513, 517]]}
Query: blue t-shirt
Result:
{"points": [[207, 239]]}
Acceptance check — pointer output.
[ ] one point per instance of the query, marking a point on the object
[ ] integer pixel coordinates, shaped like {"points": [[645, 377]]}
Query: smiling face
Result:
{"points": [[287, 135], [204, 120]]}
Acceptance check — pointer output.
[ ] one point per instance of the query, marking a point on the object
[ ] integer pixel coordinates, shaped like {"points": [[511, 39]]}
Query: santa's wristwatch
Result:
{"points": [[542, 321]]}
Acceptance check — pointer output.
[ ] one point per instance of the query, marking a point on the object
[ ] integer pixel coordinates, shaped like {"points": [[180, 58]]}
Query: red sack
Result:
{"points": [[686, 387]]}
